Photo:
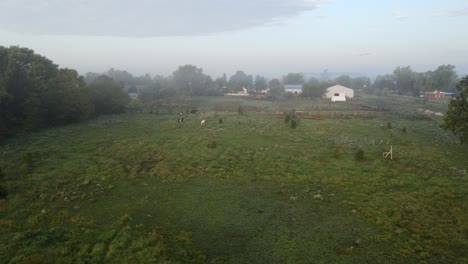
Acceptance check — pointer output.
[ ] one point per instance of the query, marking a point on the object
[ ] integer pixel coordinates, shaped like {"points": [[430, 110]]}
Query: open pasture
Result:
{"points": [[143, 188]]}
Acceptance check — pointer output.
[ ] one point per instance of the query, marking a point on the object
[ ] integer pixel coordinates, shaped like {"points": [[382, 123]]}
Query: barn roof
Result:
{"points": [[293, 87], [334, 87]]}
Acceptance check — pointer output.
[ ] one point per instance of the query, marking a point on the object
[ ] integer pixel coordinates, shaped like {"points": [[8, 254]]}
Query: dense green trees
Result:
{"points": [[406, 81], [35, 93], [240, 80], [69, 98], [344, 80], [314, 88], [276, 88], [260, 83], [108, 96], [444, 77], [456, 119], [293, 78]]}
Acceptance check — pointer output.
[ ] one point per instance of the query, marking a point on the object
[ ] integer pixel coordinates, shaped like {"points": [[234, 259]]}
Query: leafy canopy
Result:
{"points": [[456, 120]]}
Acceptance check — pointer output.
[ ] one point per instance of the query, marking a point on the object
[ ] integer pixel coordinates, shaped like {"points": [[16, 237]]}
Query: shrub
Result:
{"points": [[213, 144], [389, 125], [293, 123], [287, 118], [359, 155], [337, 153], [404, 130], [240, 110]]}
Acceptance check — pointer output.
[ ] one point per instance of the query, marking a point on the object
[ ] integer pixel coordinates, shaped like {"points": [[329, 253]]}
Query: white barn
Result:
{"points": [[339, 90], [293, 88]]}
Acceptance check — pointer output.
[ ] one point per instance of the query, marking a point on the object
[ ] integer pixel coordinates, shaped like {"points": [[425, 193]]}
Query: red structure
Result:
{"points": [[434, 95], [260, 95]]}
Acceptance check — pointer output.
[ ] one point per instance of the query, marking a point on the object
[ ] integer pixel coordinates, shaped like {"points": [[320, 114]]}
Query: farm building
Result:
{"points": [[339, 91], [434, 95], [261, 95], [293, 88], [244, 92]]}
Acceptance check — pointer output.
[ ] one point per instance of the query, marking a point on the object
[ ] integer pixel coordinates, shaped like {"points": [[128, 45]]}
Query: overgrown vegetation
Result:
{"points": [[142, 186], [359, 155], [35, 93]]}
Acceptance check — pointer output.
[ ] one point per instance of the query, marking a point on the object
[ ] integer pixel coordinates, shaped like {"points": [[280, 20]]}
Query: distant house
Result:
{"points": [[261, 95], [338, 92], [434, 95], [293, 88], [244, 92]]}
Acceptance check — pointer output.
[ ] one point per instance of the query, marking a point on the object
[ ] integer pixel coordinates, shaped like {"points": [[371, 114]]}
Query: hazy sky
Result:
{"points": [[266, 37]]}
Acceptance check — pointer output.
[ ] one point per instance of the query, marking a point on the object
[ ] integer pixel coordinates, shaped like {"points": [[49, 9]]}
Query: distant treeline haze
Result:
{"points": [[36, 93]]}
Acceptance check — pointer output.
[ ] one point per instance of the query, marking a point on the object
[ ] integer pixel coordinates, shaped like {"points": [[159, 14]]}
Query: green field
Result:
{"points": [[143, 188]]}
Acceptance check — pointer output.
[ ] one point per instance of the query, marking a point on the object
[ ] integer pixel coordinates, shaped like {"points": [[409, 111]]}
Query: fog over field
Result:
{"points": [[261, 37]]}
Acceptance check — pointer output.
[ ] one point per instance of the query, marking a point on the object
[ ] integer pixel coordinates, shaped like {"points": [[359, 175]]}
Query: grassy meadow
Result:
{"points": [[143, 188]]}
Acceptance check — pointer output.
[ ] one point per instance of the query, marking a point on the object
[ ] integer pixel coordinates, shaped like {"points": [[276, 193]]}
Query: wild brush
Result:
{"points": [[359, 155]]}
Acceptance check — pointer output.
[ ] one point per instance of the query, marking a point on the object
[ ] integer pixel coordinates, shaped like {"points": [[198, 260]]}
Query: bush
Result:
{"points": [[293, 123], [337, 153], [240, 110], [359, 155], [404, 130], [287, 118], [213, 144], [389, 125]]}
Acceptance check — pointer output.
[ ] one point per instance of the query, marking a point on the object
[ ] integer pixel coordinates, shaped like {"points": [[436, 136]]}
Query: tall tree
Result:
{"points": [[313, 88], [221, 82], [444, 76], [405, 79], [239, 80], [386, 81], [344, 80], [260, 83], [108, 96], [70, 99], [190, 80], [276, 88], [293, 78], [424, 81], [456, 119], [121, 76], [360, 83], [25, 80]]}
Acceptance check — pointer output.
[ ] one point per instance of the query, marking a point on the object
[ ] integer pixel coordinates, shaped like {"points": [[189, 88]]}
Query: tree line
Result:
{"points": [[36, 93], [406, 81]]}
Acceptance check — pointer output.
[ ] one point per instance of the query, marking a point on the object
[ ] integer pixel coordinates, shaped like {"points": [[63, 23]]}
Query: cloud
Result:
{"points": [[144, 18], [454, 13]]}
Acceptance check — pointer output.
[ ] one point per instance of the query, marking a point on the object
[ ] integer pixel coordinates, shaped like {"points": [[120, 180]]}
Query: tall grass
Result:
{"points": [[144, 187]]}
